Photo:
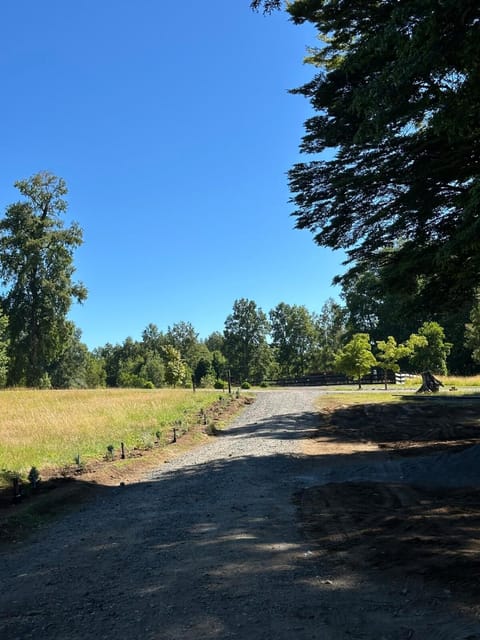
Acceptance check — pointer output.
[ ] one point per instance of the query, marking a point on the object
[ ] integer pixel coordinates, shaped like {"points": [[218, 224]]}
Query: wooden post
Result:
{"points": [[174, 435], [17, 491], [123, 450], [229, 382]]}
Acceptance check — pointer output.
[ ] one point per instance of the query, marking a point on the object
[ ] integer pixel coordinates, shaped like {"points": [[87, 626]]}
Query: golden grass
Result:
{"points": [[50, 428]]}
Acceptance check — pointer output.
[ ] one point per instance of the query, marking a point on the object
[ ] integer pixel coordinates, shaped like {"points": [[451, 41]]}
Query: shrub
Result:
{"points": [[245, 385], [149, 385], [220, 384]]}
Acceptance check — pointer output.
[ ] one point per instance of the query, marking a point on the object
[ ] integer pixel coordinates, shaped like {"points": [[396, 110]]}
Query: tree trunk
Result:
{"points": [[430, 384]]}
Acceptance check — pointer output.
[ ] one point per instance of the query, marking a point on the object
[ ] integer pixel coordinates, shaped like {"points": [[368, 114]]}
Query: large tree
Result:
{"points": [[36, 269], [397, 99], [396, 102], [245, 334], [294, 338]]}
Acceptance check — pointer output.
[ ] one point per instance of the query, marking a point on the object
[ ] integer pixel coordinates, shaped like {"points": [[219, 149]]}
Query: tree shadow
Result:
{"points": [[214, 550], [206, 550]]}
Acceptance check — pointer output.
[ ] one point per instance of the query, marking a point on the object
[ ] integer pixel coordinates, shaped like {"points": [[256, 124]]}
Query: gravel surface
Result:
{"points": [[209, 547]]}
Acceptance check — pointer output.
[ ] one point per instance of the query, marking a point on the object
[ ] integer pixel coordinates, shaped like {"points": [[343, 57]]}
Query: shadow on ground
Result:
{"points": [[213, 551]]}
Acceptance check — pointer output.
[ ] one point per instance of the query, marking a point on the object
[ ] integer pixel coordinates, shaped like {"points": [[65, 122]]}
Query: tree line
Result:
{"points": [[41, 347]]}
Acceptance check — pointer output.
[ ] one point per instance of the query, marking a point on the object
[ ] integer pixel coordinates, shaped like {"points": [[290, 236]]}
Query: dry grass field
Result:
{"points": [[51, 429]]}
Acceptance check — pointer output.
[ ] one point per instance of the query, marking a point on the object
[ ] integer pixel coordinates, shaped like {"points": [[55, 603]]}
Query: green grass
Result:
{"points": [[48, 429]]}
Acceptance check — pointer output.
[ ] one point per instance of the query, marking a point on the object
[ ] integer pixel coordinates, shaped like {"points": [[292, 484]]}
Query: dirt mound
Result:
{"points": [[415, 531], [412, 426]]}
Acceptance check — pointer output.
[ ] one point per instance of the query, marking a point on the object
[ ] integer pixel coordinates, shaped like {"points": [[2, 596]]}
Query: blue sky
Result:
{"points": [[172, 125]]}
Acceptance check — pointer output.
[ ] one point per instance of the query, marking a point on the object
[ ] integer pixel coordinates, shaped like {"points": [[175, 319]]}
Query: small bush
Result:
{"points": [[34, 477], [149, 385], [220, 384], [264, 384], [245, 385]]}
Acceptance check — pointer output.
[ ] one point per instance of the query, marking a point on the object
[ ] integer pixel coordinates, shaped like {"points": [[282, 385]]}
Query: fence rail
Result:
{"points": [[377, 376]]}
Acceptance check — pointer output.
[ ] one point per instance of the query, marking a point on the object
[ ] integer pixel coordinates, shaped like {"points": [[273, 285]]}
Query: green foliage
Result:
{"points": [[220, 384], [330, 330], [36, 268], [431, 353], [175, 367], [389, 352], [294, 337], [44, 381], [356, 358], [396, 100], [34, 477], [472, 331], [246, 385], [3, 349], [245, 334]]}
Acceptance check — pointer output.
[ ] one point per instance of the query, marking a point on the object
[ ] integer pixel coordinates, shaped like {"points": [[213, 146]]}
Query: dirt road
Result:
{"points": [[211, 547]]}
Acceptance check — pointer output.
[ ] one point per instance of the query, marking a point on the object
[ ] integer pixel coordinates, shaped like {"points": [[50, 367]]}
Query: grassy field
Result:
{"points": [[50, 429]]}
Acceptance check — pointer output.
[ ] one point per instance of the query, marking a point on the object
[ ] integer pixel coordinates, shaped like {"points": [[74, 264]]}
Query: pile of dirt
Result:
{"points": [[412, 426], [417, 516], [413, 531]]}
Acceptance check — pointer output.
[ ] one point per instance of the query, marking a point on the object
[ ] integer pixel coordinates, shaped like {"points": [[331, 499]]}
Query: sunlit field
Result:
{"points": [[49, 429]]}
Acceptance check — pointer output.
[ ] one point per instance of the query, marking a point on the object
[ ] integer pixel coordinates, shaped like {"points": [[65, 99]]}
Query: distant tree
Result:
{"points": [[331, 330], [215, 341], [219, 365], [356, 358], [3, 349], [472, 331], [175, 368], [152, 339], [36, 267], [245, 333], [95, 372], [432, 355], [390, 353], [184, 338], [69, 369], [294, 337]]}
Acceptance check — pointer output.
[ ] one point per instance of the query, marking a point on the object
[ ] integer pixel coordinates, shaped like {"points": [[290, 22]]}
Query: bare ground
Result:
{"points": [[285, 527]]}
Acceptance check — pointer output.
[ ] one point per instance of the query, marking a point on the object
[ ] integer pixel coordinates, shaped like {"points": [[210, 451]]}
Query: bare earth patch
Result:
{"points": [[424, 527]]}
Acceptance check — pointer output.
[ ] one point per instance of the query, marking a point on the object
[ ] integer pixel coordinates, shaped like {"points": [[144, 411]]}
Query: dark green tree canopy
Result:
{"points": [[396, 102], [36, 269]]}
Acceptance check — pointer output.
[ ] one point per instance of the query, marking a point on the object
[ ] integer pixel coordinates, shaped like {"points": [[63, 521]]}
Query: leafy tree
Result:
{"points": [[36, 268], [432, 354], [331, 330], [3, 349], [356, 358], [215, 341], [175, 368], [219, 365], [69, 369], [183, 337], [152, 339], [245, 334], [396, 101], [294, 337], [389, 352], [472, 331], [95, 371]]}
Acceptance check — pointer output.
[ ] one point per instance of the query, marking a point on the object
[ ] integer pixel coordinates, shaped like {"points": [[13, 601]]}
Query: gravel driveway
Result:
{"points": [[209, 547]]}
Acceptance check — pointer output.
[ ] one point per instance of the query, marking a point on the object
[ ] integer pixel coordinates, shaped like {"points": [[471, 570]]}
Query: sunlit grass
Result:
{"points": [[460, 381], [50, 428]]}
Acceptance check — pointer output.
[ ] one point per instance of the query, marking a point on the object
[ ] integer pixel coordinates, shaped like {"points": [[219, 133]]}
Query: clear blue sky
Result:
{"points": [[172, 125]]}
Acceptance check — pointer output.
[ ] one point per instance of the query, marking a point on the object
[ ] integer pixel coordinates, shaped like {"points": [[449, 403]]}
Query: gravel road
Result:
{"points": [[209, 547]]}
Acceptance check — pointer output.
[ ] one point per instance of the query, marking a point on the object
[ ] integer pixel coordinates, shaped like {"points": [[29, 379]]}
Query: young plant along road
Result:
{"points": [[218, 544]]}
